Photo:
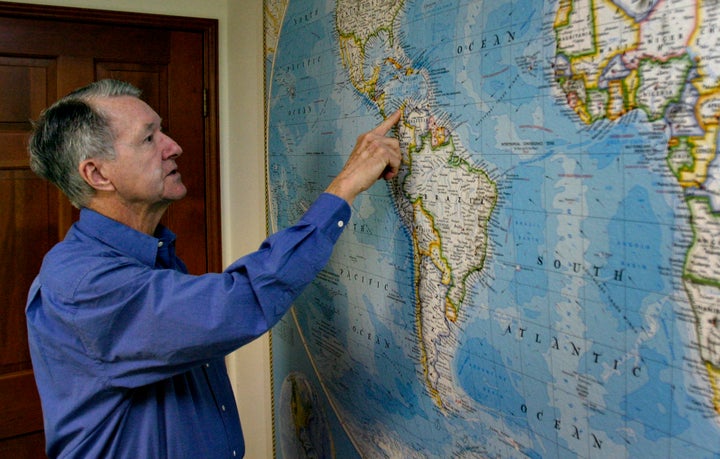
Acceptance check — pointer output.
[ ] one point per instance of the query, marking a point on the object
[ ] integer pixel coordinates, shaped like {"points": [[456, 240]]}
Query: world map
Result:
{"points": [[542, 279]]}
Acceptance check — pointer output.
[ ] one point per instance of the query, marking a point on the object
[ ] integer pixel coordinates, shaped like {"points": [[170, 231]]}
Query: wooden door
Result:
{"points": [[45, 52]]}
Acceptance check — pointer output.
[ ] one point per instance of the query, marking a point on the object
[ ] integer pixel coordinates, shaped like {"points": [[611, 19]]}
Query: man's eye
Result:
{"points": [[149, 138]]}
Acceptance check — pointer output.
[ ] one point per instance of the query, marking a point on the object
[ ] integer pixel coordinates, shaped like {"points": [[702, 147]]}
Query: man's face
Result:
{"points": [[144, 172]]}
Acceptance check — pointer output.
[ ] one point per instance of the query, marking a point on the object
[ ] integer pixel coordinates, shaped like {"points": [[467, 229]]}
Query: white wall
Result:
{"points": [[243, 201], [242, 156]]}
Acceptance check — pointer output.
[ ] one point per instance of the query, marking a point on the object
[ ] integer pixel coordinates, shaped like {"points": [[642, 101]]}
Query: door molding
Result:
{"points": [[208, 28]]}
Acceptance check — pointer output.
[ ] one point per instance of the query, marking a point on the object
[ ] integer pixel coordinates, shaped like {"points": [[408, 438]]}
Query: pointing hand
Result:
{"points": [[375, 156]]}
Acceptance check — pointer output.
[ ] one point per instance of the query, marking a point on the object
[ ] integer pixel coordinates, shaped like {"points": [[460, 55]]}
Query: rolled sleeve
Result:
{"points": [[330, 214]]}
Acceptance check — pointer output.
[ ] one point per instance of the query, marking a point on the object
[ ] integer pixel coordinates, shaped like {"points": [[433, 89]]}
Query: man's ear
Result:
{"points": [[92, 172]]}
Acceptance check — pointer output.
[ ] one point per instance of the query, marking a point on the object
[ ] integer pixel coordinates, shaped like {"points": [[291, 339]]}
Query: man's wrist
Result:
{"points": [[336, 188]]}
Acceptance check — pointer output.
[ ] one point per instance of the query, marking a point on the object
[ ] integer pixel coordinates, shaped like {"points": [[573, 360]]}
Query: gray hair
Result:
{"points": [[71, 131]]}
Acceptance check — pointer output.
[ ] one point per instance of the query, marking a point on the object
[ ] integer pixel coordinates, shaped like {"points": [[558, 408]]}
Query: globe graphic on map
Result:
{"points": [[303, 430], [542, 278]]}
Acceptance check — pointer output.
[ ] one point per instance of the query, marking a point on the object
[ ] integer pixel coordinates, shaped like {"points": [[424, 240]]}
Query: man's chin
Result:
{"points": [[176, 194]]}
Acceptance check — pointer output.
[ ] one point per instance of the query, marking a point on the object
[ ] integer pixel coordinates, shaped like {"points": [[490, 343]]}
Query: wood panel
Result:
{"points": [[25, 84], [28, 228]]}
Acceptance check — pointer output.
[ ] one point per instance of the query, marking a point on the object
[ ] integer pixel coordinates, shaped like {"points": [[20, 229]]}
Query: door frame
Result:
{"points": [[208, 28]]}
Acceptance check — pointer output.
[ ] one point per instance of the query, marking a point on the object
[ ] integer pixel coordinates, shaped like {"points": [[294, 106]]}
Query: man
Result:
{"points": [[127, 347]]}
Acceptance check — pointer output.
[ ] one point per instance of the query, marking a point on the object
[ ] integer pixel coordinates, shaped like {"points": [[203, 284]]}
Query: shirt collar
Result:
{"points": [[123, 238]]}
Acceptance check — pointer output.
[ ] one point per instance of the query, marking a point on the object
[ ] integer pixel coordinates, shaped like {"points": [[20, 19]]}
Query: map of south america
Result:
{"points": [[444, 200]]}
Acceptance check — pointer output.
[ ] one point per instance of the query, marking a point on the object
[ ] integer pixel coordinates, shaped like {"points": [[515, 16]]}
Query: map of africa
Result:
{"points": [[543, 277]]}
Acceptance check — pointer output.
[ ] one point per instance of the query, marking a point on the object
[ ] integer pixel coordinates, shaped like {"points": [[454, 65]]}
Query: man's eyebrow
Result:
{"points": [[144, 130], [152, 125]]}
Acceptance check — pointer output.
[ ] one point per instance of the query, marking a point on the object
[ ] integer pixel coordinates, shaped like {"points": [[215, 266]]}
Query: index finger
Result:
{"points": [[388, 123]]}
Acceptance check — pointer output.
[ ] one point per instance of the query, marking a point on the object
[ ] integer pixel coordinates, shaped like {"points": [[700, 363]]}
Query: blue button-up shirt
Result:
{"points": [[128, 349]]}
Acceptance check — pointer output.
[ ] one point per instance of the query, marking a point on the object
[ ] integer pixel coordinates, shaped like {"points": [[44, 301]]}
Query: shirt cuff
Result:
{"points": [[330, 214]]}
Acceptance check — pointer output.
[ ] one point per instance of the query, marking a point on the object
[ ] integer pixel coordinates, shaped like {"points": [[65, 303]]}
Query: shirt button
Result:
{"points": [[207, 365], [160, 243], [222, 407], [341, 224], [234, 453]]}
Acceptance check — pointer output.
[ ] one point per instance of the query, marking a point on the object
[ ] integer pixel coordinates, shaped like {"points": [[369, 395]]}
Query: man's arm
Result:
{"points": [[146, 324]]}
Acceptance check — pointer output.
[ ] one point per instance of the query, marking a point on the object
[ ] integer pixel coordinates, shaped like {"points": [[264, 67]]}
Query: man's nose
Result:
{"points": [[170, 147]]}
